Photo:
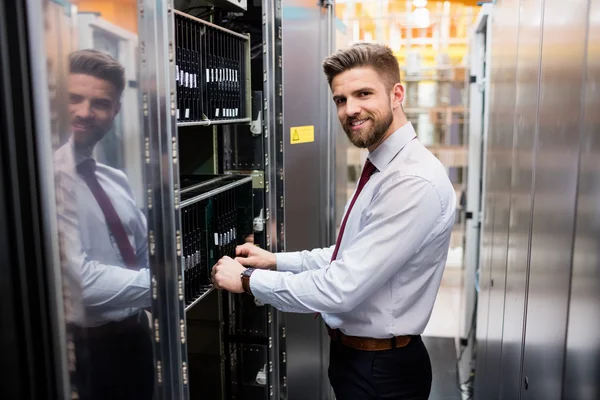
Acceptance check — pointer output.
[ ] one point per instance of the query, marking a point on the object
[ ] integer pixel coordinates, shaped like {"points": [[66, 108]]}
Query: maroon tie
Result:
{"points": [[368, 170], [87, 169]]}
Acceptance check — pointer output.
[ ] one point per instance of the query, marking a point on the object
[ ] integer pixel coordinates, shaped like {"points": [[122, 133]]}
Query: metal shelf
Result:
{"points": [[218, 190], [215, 122], [202, 296]]}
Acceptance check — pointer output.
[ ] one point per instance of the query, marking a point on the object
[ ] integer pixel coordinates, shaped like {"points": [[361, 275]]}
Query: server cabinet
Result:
{"points": [[555, 192], [34, 364], [313, 154], [582, 368], [159, 142], [228, 117], [497, 191], [548, 302], [104, 253], [478, 127], [525, 133]]}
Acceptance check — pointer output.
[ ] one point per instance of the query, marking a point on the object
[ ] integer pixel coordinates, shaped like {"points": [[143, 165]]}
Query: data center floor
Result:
{"points": [[439, 336]]}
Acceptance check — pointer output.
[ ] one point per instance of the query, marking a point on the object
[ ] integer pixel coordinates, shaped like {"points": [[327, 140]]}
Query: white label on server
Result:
{"points": [[195, 81], [217, 112], [187, 79], [236, 76], [176, 72], [181, 76], [178, 113], [187, 113], [216, 239], [207, 75]]}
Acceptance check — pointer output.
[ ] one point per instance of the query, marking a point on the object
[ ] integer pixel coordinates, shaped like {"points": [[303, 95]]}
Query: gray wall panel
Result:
{"points": [[499, 176], [525, 127], [305, 92], [556, 170], [487, 233], [582, 375]]}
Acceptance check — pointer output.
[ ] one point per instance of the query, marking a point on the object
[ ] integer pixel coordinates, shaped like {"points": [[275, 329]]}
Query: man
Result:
{"points": [[104, 239], [375, 288]]}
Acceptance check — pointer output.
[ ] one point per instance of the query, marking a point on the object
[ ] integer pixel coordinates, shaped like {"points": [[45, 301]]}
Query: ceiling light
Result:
{"points": [[421, 18]]}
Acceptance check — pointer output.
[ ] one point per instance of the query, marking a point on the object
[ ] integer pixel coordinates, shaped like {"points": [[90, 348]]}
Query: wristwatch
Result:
{"points": [[246, 280]]}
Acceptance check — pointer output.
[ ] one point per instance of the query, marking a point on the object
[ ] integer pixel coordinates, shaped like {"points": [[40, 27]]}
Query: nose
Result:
{"points": [[352, 108], [84, 110]]}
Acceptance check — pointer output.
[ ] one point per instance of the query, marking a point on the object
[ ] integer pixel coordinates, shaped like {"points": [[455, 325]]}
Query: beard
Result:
{"points": [[368, 136]]}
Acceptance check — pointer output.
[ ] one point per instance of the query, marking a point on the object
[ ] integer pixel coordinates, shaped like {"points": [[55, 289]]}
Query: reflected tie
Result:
{"points": [[87, 169], [368, 170]]}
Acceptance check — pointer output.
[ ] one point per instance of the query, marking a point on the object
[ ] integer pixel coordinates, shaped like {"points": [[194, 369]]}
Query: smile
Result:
{"points": [[358, 123]]}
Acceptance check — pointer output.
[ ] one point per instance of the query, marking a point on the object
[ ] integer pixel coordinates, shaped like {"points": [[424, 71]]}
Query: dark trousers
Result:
{"points": [[115, 362], [403, 373]]}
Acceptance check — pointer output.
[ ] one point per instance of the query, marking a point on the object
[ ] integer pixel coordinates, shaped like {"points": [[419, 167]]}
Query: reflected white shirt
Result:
{"points": [[392, 255], [108, 290]]}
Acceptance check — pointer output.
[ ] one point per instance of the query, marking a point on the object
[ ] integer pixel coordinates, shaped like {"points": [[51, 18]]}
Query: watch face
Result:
{"points": [[248, 271]]}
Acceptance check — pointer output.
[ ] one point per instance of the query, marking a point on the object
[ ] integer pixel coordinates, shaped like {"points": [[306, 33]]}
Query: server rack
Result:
{"points": [[227, 100], [196, 126]]}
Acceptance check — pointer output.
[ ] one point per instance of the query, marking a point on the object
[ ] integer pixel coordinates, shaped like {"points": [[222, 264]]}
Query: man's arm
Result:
{"points": [[406, 214], [300, 261], [101, 288], [294, 262]]}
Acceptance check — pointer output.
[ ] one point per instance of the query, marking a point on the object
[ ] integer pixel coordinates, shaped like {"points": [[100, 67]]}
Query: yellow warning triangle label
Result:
{"points": [[302, 134]]}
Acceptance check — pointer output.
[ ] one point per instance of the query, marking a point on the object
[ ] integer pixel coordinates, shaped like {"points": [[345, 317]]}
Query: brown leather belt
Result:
{"points": [[368, 344]]}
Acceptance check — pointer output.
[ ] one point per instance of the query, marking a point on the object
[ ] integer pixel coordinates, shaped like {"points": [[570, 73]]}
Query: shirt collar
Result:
{"points": [[390, 147], [79, 158]]}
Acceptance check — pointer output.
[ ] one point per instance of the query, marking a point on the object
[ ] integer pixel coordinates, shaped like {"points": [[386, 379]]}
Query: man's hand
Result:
{"points": [[227, 275], [251, 256]]}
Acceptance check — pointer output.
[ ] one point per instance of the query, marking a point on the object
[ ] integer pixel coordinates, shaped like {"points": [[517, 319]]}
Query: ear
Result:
{"points": [[397, 96]]}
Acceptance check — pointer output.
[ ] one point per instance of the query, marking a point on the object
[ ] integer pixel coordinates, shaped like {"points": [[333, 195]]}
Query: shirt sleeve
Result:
{"points": [[104, 290], [300, 261], [401, 219]]}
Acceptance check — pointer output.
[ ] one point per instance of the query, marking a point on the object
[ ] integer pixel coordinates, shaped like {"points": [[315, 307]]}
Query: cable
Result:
{"points": [[469, 390]]}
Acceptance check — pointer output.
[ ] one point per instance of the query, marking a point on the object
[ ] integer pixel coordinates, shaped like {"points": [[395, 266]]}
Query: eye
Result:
{"points": [[102, 104], [363, 94], [75, 99], [340, 101]]}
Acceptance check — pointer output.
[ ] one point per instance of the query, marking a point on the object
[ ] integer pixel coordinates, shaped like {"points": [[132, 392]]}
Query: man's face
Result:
{"points": [[364, 105], [93, 105]]}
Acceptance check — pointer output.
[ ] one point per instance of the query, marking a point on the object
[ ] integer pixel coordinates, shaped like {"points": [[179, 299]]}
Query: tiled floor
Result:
{"points": [[439, 336], [443, 365], [446, 315]]}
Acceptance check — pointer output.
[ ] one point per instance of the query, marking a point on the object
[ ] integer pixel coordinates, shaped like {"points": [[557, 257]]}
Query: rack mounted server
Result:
{"points": [[211, 71], [216, 215]]}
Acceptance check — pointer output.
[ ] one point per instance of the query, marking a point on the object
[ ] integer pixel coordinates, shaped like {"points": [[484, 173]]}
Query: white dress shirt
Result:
{"points": [[392, 254], [109, 291]]}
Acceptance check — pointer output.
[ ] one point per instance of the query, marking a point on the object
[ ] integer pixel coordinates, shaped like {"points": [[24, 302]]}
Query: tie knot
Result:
{"points": [[87, 167], [369, 168]]}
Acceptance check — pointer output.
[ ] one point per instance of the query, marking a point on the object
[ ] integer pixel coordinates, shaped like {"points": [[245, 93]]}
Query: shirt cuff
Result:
{"points": [[262, 283], [289, 262]]}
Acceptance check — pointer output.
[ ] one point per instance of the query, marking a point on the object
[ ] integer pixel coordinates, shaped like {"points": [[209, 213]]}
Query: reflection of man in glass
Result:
{"points": [[113, 341]]}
